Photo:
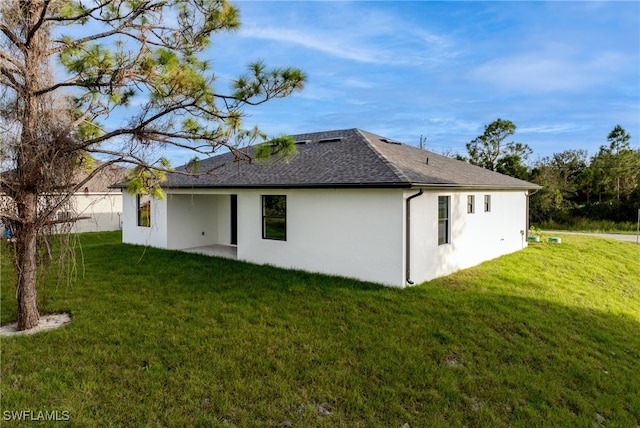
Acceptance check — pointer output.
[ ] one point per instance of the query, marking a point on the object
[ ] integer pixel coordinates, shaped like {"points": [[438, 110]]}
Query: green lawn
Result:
{"points": [[587, 225], [549, 336]]}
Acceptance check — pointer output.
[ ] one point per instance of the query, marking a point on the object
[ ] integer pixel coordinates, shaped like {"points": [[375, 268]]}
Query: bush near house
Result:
{"points": [[547, 336]]}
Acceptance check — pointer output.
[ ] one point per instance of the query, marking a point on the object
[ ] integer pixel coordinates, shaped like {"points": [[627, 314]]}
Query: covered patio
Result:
{"points": [[203, 223]]}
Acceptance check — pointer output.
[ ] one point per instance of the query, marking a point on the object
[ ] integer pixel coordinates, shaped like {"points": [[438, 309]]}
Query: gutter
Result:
{"points": [[354, 185], [408, 236]]}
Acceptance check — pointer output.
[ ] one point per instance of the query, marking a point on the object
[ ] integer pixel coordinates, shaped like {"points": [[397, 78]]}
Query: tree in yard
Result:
{"points": [[490, 150], [615, 177], [129, 84]]}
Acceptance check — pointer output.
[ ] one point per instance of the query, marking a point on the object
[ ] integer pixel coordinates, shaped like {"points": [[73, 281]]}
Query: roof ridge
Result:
{"points": [[394, 168]]}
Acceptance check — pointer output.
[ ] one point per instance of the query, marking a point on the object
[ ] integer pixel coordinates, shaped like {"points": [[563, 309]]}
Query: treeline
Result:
{"points": [[603, 187]]}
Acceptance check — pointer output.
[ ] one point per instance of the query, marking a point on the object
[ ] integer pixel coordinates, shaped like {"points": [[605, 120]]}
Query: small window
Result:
{"points": [[144, 210], [274, 217], [471, 204], [487, 203], [64, 215], [66, 212], [443, 220]]}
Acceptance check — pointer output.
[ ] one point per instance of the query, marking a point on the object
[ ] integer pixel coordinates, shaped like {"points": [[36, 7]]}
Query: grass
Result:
{"points": [[588, 225], [544, 337]]}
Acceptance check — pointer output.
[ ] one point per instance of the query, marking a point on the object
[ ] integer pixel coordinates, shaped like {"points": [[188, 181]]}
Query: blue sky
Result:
{"points": [[564, 72]]}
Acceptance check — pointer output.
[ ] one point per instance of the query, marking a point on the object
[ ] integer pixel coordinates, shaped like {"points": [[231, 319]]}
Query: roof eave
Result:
{"points": [[382, 185], [296, 186], [474, 186]]}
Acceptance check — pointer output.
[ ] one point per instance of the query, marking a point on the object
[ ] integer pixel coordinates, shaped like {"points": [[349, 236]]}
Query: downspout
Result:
{"points": [[528, 194], [408, 236]]}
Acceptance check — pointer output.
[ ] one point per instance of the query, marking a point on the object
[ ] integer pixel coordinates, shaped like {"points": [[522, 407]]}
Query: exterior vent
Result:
{"points": [[330, 140], [388, 141], [303, 142]]}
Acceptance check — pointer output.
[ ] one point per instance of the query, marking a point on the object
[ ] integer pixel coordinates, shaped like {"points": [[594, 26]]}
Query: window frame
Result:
{"points": [[267, 218], [487, 203], [471, 204], [66, 212], [143, 203], [446, 220]]}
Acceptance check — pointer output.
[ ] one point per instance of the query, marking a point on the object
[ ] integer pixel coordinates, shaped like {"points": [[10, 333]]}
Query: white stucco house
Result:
{"points": [[98, 203], [348, 203]]}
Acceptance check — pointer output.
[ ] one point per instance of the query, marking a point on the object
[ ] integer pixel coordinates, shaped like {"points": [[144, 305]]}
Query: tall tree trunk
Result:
{"points": [[26, 260], [29, 167]]}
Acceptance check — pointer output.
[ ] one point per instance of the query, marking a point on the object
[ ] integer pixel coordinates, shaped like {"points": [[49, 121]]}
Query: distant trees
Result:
{"points": [[562, 177], [613, 179], [606, 187], [603, 187]]}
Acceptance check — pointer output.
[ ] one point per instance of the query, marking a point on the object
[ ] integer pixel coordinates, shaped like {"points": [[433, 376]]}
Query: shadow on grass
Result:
{"points": [[178, 339]]}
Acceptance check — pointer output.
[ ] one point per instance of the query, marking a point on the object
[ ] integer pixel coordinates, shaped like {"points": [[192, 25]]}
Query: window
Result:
{"points": [[144, 210], [471, 204], [487, 203], [274, 217], [64, 215], [66, 212], [443, 220]]}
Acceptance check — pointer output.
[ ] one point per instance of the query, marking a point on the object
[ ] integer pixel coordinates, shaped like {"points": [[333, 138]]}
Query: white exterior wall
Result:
{"points": [[105, 210], [356, 233], [223, 219], [474, 238], [154, 236], [198, 220], [192, 221]]}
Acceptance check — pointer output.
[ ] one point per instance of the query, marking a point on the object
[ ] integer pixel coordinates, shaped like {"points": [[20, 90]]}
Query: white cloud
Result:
{"points": [[320, 93], [452, 125], [374, 38], [558, 128], [548, 71], [326, 43], [358, 83]]}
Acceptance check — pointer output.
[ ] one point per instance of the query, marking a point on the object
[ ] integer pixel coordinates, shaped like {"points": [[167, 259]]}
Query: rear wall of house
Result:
{"points": [[473, 237], [154, 235], [356, 233]]}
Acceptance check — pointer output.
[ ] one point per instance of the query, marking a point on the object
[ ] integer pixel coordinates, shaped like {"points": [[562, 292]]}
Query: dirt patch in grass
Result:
{"points": [[47, 322]]}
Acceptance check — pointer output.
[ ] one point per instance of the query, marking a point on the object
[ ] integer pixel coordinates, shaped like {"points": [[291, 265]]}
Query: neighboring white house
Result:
{"points": [[348, 203], [98, 202]]}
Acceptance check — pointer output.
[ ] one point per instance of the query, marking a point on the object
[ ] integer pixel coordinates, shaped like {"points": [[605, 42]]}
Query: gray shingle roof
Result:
{"points": [[344, 158], [103, 181]]}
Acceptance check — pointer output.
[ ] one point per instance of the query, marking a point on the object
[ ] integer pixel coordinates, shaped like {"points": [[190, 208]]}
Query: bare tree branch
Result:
{"points": [[39, 22]]}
